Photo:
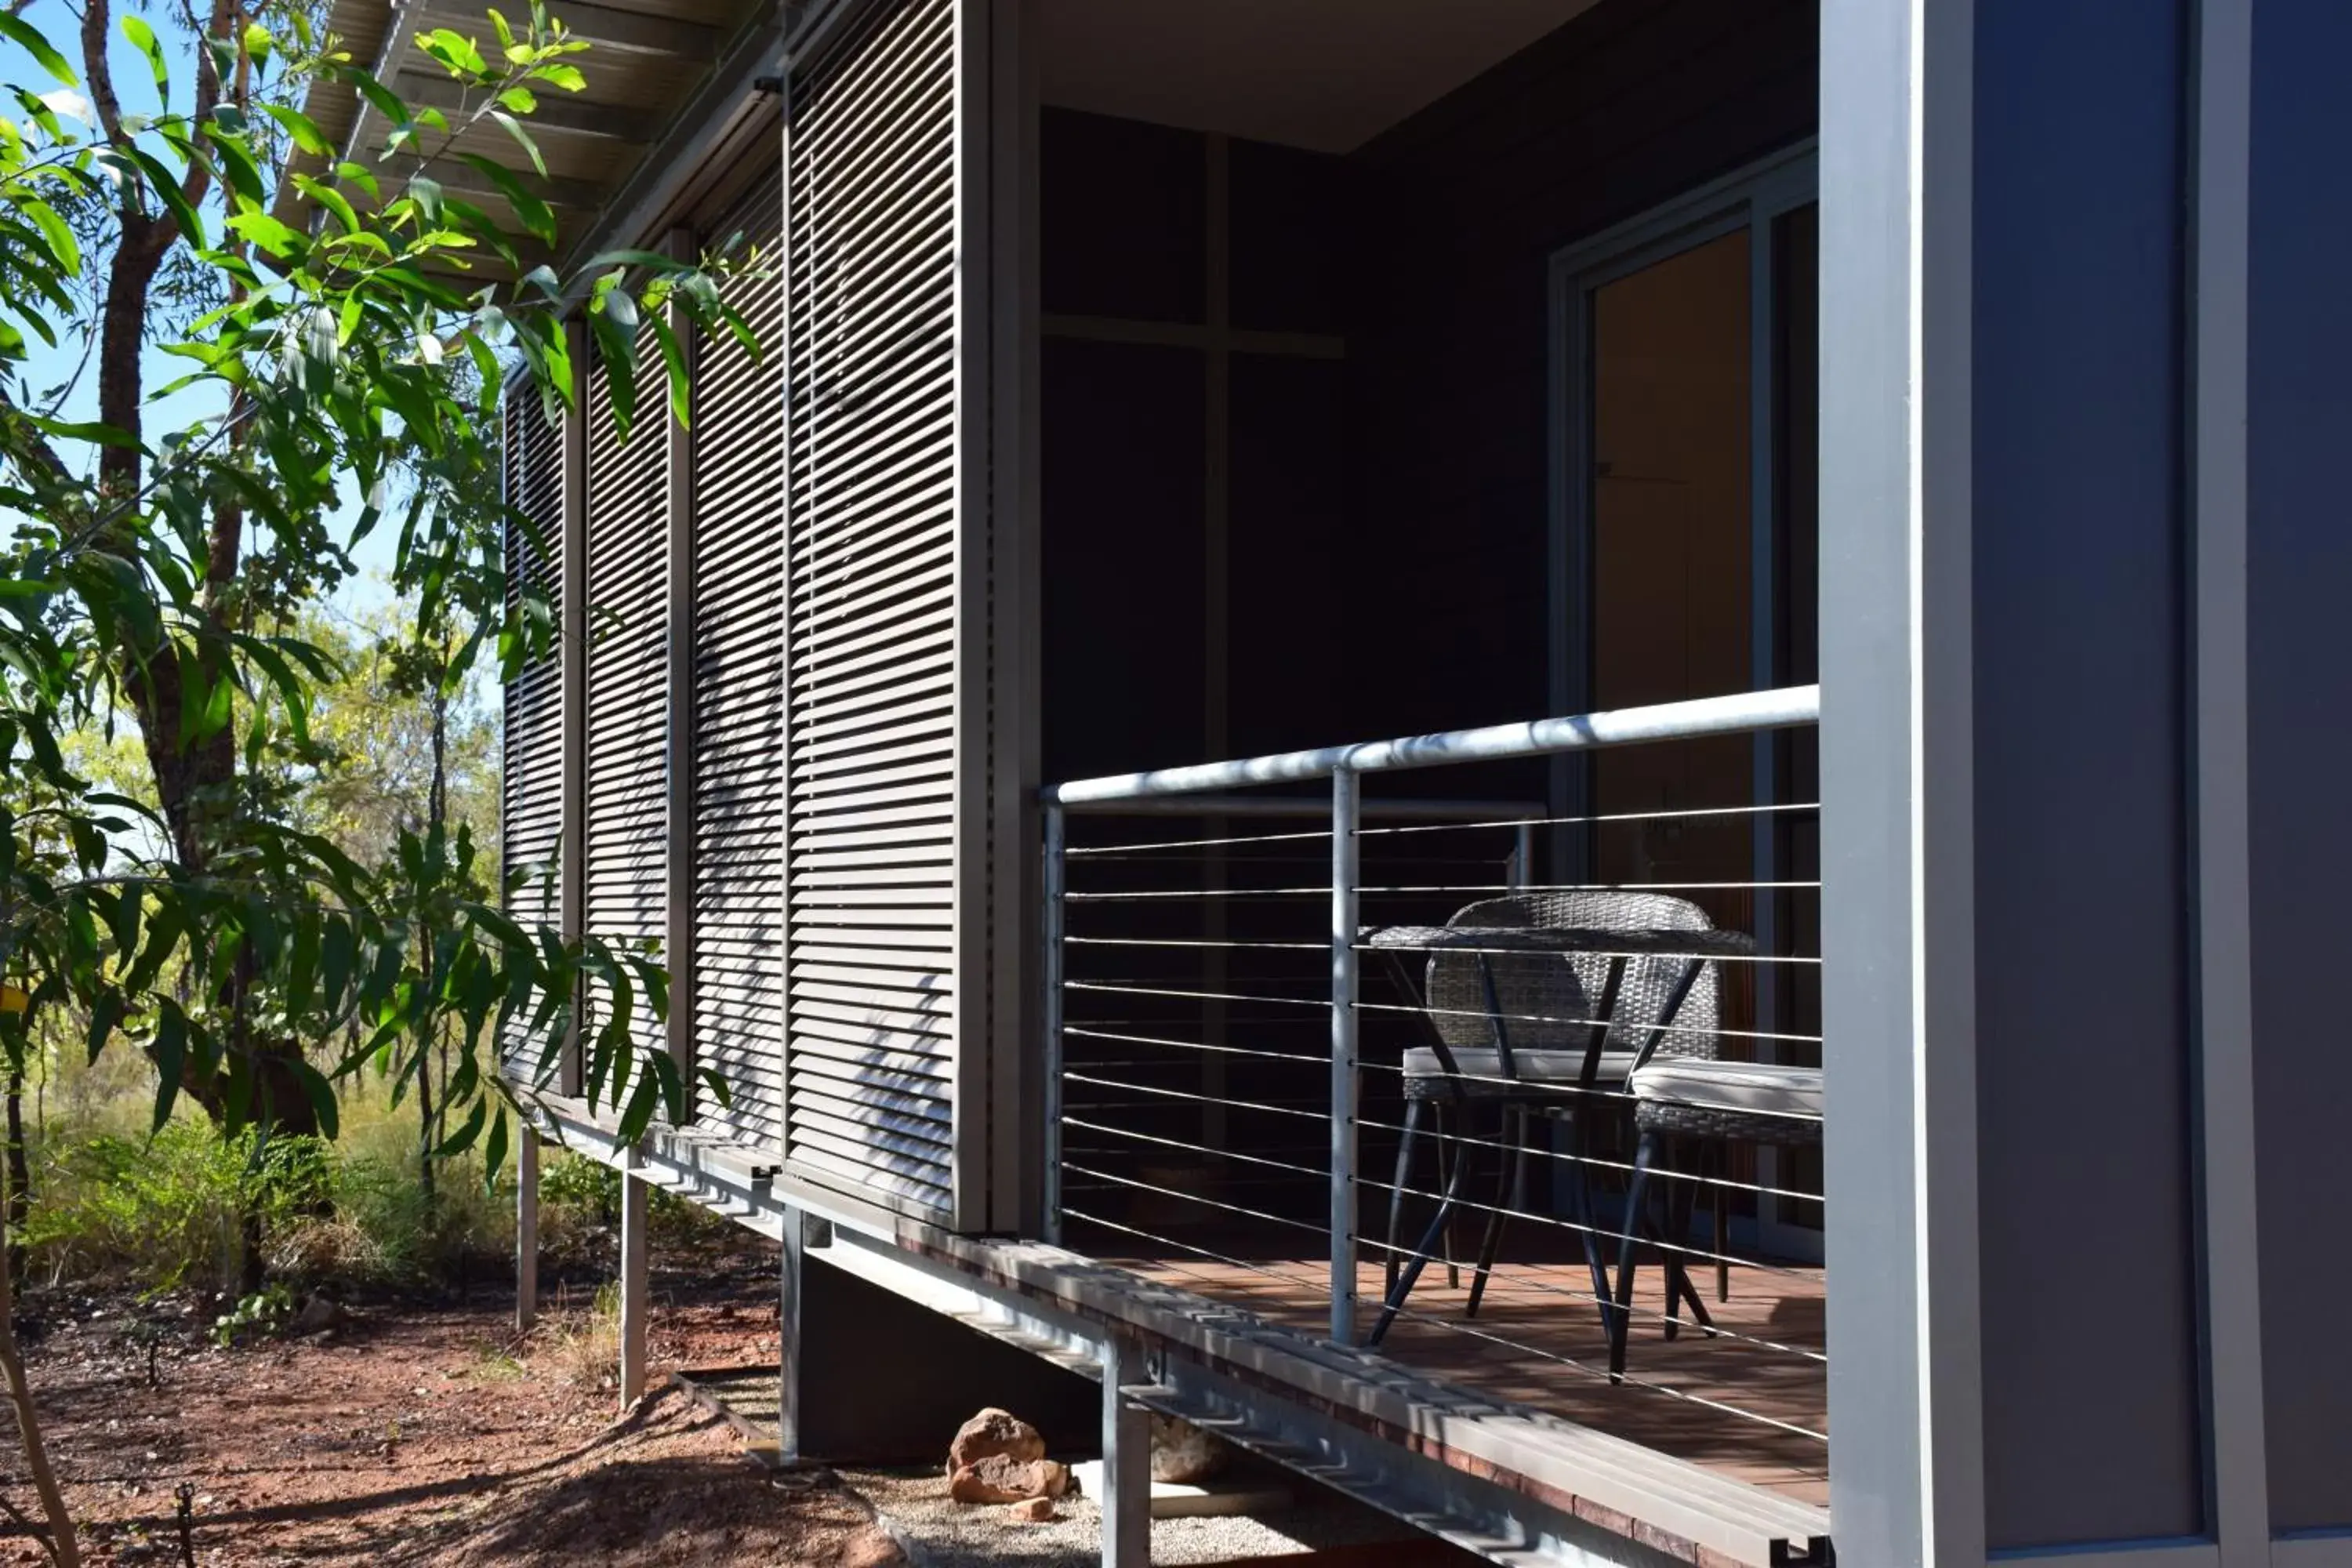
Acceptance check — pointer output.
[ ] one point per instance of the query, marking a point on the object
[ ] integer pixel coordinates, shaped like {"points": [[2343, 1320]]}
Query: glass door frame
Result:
{"points": [[1751, 198]]}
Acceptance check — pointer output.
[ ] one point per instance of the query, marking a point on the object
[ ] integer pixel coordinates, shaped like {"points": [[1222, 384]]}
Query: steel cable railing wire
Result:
{"points": [[1189, 963]]}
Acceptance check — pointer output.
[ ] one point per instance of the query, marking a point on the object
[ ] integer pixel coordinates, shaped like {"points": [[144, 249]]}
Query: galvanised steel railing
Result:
{"points": [[1203, 944]]}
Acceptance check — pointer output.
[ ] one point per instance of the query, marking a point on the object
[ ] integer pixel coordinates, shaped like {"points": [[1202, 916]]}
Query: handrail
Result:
{"points": [[1742, 713], [1472, 811]]}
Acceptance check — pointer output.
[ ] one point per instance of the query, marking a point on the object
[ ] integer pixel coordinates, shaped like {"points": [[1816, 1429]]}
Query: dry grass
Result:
{"points": [[581, 1345]]}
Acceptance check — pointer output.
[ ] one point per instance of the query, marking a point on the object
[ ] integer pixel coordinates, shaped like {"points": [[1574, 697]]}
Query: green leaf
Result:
{"points": [[521, 99], [494, 1150], [278, 239], [299, 127], [335, 202], [104, 1017], [681, 383], [535, 214], [566, 77], [460, 1141], [237, 167], [455, 50], [259, 43], [171, 1050], [320, 1092], [136, 29], [638, 1114], [522, 138], [167, 190], [62, 244], [28, 38]]}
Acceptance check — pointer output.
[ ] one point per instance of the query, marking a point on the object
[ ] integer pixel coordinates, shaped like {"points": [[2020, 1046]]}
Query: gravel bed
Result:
{"points": [[938, 1532]]}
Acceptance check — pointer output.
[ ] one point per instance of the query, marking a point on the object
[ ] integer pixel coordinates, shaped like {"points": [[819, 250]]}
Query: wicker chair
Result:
{"points": [[1515, 1021], [1680, 1101]]}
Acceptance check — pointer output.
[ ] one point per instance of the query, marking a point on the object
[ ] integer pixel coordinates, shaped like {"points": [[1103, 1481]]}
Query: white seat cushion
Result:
{"points": [[1544, 1067], [1765, 1087]]}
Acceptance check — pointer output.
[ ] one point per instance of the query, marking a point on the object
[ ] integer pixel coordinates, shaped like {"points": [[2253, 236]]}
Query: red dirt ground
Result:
{"points": [[412, 1435]]}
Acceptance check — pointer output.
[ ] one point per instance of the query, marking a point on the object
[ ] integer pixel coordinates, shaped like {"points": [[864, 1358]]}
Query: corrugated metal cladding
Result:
{"points": [[532, 794], [739, 689], [872, 720], [624, 831]]}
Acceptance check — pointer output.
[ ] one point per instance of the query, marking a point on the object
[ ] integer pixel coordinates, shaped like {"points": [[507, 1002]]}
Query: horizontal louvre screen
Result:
{"points": [[624, 831], [739, 691], [531, 780], [872, 742]]}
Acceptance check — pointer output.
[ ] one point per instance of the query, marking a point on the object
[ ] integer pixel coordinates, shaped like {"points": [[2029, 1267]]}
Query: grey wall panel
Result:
{"points": [[2091, 1397], [739, 690], [625, 860], [876, 737], [2299, 582], [532, 784], [1629, 105]]}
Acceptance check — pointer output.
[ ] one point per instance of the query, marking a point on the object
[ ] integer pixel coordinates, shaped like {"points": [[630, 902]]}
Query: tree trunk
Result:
{"points": [[63, 1549], [20, 1175]]}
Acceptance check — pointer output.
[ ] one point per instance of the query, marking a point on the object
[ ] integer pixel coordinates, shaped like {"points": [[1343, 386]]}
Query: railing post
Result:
{"points": [[1346, 806], [1049, 1011]]}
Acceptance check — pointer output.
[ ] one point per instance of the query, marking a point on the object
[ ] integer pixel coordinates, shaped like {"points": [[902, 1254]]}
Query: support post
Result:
{"points": [[1049, 1010], [571, 646], [526, 1230], [633, 1295], [1126, 1461], [788, 1359], [1898, 813], [1345, 810], [677, 796]]}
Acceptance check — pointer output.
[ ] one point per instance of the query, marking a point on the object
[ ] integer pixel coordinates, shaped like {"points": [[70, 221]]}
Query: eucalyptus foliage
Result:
{"points": [[151, 578]]}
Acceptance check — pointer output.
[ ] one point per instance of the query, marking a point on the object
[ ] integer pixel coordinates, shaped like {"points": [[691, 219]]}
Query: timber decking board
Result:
{"points": [[1532, 1306]]}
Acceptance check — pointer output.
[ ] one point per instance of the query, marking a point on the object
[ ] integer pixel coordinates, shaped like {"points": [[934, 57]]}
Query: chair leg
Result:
{"points": [[1637, 1192], [1412, 1113], [1717, 1201], [1511, 1176], [1450, 1155], [1681, 1207], [1579, 1208], [1421, 1256]]}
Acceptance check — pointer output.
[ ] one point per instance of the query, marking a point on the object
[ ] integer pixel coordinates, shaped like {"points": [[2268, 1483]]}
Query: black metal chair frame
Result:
{"points": [[1515, 1097]]}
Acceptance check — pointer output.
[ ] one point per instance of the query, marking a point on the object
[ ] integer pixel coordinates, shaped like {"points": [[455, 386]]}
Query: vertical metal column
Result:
{"points": [[1346, 806], [788, 1361], [571, 655], [1126, 1461], [1049, 1011], [634, 1298], [677, 828], [526, 1229]]}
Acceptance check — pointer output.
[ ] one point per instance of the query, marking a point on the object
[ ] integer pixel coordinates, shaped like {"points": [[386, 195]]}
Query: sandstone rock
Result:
{"points": [[1183, 1454], [1034, 1510], [994, 1432], [1000, 1478]]}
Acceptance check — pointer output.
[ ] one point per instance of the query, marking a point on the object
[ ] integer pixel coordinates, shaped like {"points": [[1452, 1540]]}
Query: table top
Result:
{"points": [[1558, 939]]}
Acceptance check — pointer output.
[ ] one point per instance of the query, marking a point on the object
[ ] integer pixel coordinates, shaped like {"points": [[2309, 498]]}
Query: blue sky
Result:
{"points": [[134, 85]]}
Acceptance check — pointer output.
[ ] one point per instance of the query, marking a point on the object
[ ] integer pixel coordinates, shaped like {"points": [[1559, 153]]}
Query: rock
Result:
{"points": [[1183, 1454], [317, 1315], [1032, 1510], [994, 1432], [1000, 1478]]}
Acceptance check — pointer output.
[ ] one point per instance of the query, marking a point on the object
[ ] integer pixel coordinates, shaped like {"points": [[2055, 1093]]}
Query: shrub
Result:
{"points": [[165, 1210]]}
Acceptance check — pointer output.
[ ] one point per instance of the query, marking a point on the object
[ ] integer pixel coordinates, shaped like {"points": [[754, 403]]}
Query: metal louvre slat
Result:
{"points": [[738, 693], [531, 760], [624, 841], [871, 714]]}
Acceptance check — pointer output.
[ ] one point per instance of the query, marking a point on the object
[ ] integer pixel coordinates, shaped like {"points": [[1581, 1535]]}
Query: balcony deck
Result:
{"points": [[1723, 1403]]}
